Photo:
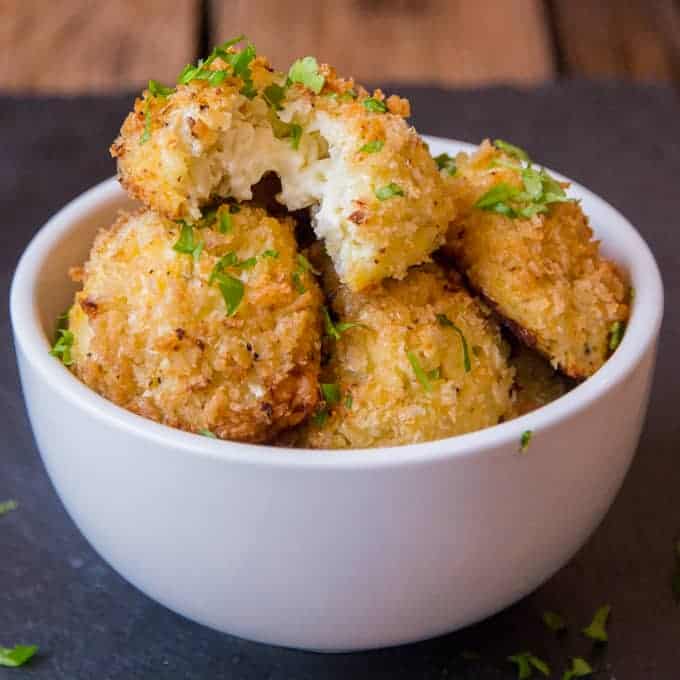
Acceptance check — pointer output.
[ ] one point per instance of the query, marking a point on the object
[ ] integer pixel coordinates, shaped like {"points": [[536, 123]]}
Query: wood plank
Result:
{"points": [[610, 38], [425, 41], [94, 46]]}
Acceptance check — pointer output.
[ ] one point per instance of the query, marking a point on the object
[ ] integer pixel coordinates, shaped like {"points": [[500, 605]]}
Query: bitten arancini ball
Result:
{"points": [[410, 361], [376, 196], [213, 330], [528, 249]]}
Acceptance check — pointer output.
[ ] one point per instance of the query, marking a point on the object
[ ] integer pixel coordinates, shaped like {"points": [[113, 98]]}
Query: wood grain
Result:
{"points": [[426, 41], [94, 46], [610, 38]]}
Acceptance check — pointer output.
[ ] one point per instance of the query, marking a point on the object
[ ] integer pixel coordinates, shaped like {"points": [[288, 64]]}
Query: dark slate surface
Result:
{"points": [[624, 143]]}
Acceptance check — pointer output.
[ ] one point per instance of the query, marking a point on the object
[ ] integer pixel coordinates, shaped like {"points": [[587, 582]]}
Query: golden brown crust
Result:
{"points": [[178, 153], [544, 275], [152, 333], [388, 404]]}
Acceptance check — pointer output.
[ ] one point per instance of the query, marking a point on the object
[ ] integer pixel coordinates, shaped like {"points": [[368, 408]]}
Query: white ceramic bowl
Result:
{"points": [[331, 551]]}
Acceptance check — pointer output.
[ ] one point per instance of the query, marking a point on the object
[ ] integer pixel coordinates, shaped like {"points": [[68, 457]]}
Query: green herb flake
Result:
{"points": [[187, 243], [234, 209], [8, 506], [320, 417], [511, 150], [274, 94], [554, 622], [447, 323], [616, 331], [16, 656], [435, 373], [348, 402], [597, 630], [420, 374], [335, 330], [62, 346], [295, 135], [526, 662], [389, 191], [305, 265], [580, 668], [232, 290], [306, 72], [297, 283], [146, 133], [500, 193], [373, 146], [446, 163], [525, 440], [207, 433], [158, 90], [331, 393], [374, 105], [225, 223], [273, 254]]}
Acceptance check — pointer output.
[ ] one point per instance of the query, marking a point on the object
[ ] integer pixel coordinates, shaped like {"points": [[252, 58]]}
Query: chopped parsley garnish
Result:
{"points": [[335, 330], [554, 622], [580, 668], [616, 331], [597, 630], [146, 134], [224, 222], [446, 163], [305, 265], [389, 191], [348, 402], [320, 417], [273, 94], [539, 189], [447, 323], [158, 90], [526, 662], [274, 254], [8, 506], [306, 72], [62, 347], [230, 260], [435, 373], [511, 150], [525, 440], [331, 393], [16, 656], [232, 291], [207, 433], [373, 146], [297, 282], [420, 374], [374, 105], [187, 243], [295, 135]]}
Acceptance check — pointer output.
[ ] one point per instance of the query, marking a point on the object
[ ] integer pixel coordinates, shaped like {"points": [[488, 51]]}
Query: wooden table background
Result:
{"points": [[75, 46]]}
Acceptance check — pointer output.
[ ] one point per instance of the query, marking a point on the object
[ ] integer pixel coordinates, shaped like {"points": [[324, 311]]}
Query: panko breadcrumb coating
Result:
{"points": [[376, 195], [541, 271], [222, 338], [399, 375], [536, 381]]}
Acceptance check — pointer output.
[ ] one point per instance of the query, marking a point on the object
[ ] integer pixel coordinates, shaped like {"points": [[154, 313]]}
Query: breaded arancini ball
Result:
{"points": [[410, 361], [376, 195], [213, 330], [528, 249]]}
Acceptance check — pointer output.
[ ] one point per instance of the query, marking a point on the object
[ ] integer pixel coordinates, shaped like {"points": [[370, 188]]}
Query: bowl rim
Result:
{"points": [[640, 337]]}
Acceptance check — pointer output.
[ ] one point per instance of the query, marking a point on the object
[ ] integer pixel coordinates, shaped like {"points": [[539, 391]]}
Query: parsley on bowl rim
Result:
{"points": [[294, 524]]}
